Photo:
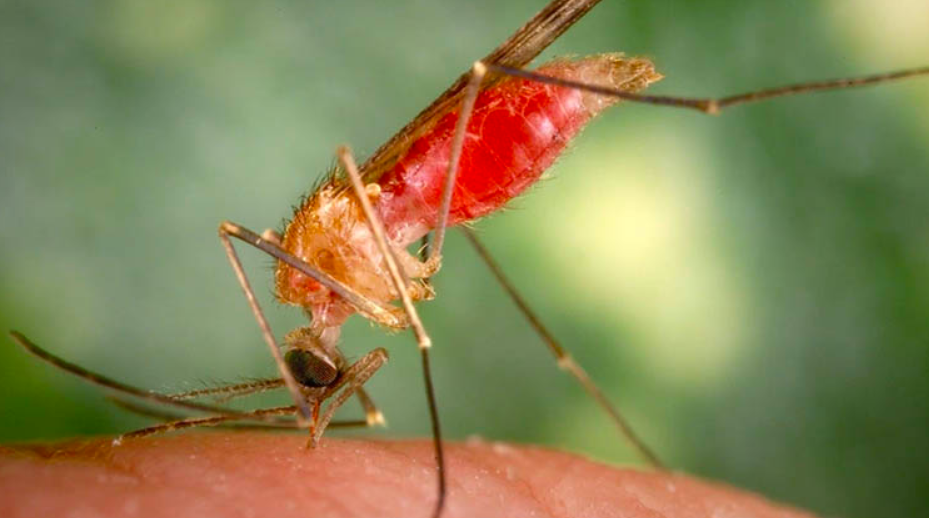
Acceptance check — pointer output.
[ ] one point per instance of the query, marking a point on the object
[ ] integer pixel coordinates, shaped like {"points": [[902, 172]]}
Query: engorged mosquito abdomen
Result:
{"points": [[517, 130]]}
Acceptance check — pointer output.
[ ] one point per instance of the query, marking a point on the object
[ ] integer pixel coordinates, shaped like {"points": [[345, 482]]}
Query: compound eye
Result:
{"points": [[311, 368]]}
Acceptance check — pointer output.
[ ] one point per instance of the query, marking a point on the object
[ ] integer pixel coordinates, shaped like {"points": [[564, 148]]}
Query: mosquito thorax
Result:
{"points": [[329, 233]]}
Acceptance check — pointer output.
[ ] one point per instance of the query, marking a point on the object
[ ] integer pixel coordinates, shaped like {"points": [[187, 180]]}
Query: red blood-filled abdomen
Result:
{"points": [[517, 130]]}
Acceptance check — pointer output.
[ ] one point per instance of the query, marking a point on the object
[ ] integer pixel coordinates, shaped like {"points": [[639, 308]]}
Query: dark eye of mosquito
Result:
{"points": [[310, 368]]}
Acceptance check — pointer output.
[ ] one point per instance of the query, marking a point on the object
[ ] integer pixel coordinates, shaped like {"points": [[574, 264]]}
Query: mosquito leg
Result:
{"points": [[373, 415], [261, 422], [194, 422], [422, 338], [109, 383], [257, 415], [478, 72], [166, 415], [225, 414], [228, 392], [423, 256], [712, 106], [563, 358], [145, 411], [355, 377], [397, 275], [224, 231], [431, 264]]}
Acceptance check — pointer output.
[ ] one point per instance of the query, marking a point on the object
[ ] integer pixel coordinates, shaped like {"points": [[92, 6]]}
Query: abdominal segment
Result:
{"points": [[517, 130]]}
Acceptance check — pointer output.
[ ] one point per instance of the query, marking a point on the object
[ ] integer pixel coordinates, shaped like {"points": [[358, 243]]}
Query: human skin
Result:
{"points": [[246, 474]]}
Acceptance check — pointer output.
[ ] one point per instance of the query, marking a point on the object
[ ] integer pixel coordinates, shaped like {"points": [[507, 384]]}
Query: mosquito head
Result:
{"points": [[309, 360], [311, 368]]}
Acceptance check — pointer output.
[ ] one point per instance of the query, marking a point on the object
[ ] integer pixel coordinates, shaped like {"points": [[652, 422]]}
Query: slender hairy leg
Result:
{"points": [[224, 414], [355, 377], [259, 419], [103, 381], [193, 422], [564, 359], [164, 415], [304, 414], [714, 106], [245, 423], [401, 285], [461, 129], [373, 415], [227, 392]]}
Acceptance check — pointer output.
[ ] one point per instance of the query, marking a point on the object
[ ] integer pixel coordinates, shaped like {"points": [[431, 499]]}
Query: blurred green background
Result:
{"points": [[753, 290]]}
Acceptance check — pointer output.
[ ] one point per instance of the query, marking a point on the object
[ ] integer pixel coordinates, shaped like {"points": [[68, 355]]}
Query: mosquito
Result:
{"points": [[484, 141]]}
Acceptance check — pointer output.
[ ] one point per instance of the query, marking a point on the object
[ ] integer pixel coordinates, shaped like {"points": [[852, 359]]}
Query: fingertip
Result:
{"points": [[259, 474]]}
